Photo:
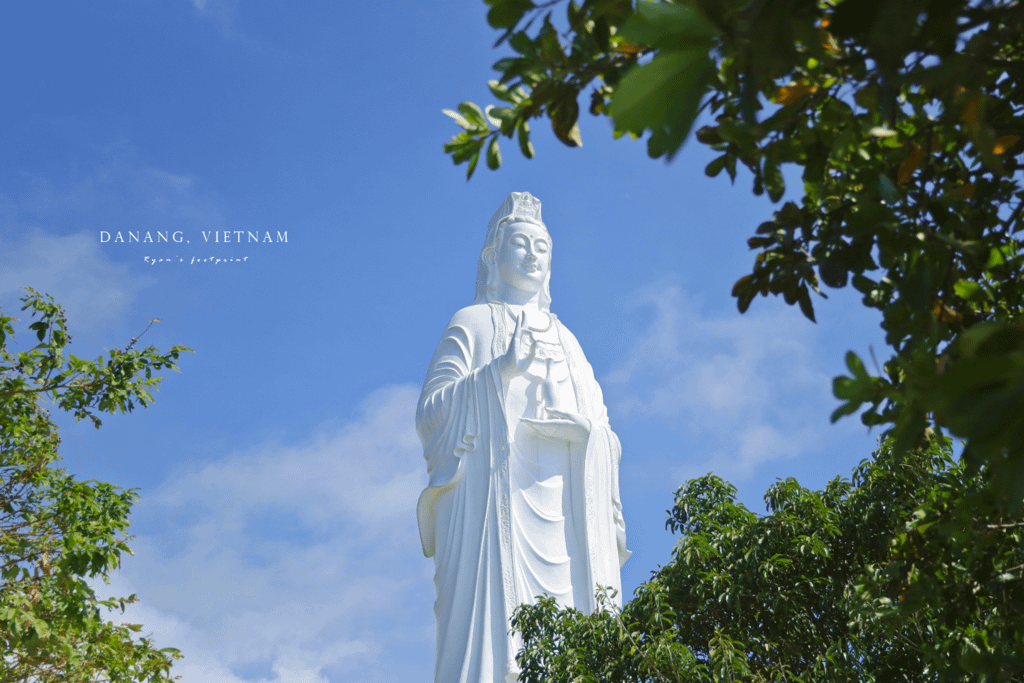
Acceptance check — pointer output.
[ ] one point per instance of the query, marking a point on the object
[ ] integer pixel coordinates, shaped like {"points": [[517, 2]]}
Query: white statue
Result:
{"points": [[523, 498]]}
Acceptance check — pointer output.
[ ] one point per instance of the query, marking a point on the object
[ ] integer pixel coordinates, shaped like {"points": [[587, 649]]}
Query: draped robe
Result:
{"points": [[464, 514]]}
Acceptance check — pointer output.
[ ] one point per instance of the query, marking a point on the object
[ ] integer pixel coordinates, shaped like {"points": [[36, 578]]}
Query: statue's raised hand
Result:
{"points": [[520, 351]]}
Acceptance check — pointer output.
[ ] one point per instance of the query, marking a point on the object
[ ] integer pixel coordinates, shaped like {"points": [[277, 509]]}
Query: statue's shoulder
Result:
{"points": [[569, 339], [563, 330], [475, 320]]}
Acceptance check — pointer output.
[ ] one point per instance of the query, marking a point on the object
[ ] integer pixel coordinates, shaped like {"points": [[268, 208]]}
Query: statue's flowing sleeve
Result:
{"points": [[461, 422], [454, 417], [595, 479]]}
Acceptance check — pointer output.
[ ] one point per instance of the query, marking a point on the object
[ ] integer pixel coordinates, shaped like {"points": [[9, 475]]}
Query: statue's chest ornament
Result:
{"points": [[548, 370], [548, 358]]}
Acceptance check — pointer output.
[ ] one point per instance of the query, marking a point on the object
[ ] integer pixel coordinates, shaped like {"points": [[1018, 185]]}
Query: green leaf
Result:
{"points": [[971, 291], [804, 299], [847, 408], [474, 115], [463, 147], [472, 164], [507, 13], [995, 258], [525, 146], [506, 117], [856, 366], [668, 26], [663, 96], [493, 155], [833, 272], [459, 118], [647, 94], [716, 166], [564, 112], [842, 144], [774, 183], [744, 291], [500, 90], [971, 659], [522, 44]]}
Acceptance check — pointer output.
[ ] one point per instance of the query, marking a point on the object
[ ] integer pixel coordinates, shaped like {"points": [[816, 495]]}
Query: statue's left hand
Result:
{"points": [[566, 426]]}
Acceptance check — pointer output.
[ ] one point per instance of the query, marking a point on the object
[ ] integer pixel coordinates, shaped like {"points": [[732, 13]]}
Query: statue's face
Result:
{"points": [[524, 256]]}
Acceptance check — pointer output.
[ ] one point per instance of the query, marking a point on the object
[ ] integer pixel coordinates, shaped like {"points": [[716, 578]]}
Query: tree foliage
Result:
{"points": [[56, 533], [871, 579], [905, 118]]}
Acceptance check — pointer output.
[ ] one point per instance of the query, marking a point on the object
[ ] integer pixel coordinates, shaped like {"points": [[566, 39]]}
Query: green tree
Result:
{"points": [[57, 533], [852, 583], [906, 120]]}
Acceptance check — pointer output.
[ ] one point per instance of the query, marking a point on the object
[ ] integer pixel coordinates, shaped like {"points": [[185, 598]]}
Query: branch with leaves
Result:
{"points": [[56, 532], [907, 121]]}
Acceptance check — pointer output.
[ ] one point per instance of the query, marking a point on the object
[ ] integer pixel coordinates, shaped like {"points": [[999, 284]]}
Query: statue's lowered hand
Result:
{"points": [[564, 426]]}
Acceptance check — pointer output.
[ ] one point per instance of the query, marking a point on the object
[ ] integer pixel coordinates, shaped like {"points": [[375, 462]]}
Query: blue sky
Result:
{"points": [[279, 471]]}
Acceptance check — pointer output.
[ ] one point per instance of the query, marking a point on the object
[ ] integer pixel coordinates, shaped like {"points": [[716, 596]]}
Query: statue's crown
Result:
{"points": [[518, 206]]}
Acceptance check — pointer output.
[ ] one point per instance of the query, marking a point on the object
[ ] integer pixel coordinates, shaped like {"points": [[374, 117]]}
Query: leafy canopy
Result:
{"points": [[56, 532], [871, 579], [906, 120]]}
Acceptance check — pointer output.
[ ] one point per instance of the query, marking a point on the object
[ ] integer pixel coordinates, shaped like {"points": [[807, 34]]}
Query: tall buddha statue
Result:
{"points": [[523, 496]]}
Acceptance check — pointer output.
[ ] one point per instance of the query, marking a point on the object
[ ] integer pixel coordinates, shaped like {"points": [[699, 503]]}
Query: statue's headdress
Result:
{"points": [[517, 207]]}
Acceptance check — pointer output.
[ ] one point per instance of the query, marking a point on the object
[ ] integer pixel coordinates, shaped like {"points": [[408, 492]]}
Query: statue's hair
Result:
{"points": [[518, 207]]}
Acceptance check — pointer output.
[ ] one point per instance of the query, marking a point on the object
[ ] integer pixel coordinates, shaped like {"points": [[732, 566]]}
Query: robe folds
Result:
{"points": [[464, 514]]}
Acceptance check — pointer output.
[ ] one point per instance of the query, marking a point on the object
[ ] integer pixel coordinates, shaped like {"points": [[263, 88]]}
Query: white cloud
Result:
{"points": [[218, 9], [50, 238], [293, 563], [748, 389], [381, 482], [74, 270], [119, 196], [223, 14]]}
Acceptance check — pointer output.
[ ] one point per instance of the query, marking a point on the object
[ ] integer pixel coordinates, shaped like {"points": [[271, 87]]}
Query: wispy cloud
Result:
{"points": [[117, 195], [750, 389], [293, 563], [73, 268], [50, 236], [224, 15], [221, 10]]}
